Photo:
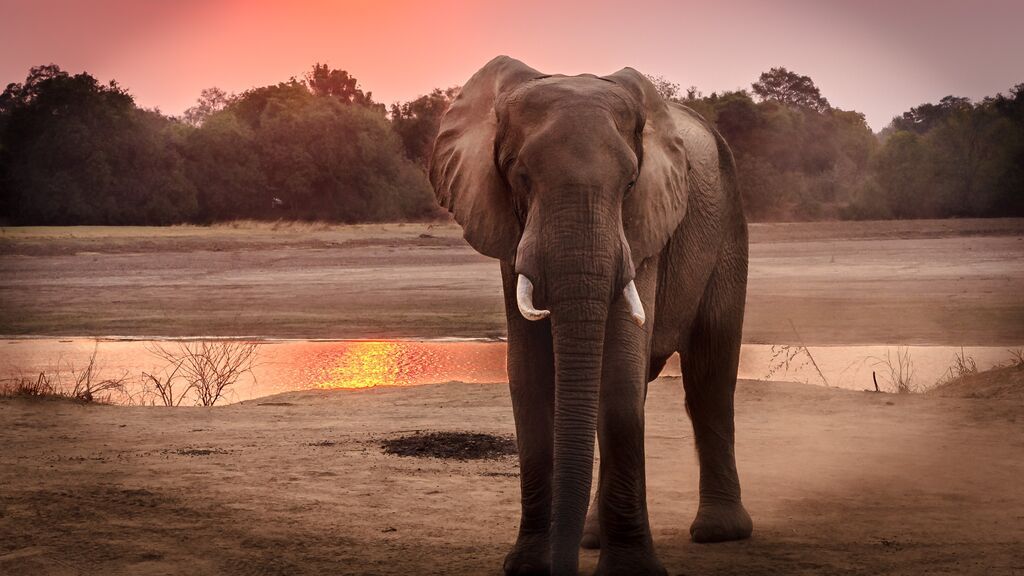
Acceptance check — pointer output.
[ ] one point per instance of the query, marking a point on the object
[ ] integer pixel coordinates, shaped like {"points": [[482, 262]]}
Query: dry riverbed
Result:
{"points": [[952, 282]]}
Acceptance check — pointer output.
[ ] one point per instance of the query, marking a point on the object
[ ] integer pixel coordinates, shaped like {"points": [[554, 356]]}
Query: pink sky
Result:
{"points": [[878, 57]]}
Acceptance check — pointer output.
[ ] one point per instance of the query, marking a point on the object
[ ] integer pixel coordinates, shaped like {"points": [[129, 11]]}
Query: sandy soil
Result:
{"points": [[838, 482], [921, 282], [1001, 382]]}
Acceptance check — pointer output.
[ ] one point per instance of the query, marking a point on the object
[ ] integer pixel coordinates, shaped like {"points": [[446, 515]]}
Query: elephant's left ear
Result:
{"points": [[462, 166], [657, 203]]}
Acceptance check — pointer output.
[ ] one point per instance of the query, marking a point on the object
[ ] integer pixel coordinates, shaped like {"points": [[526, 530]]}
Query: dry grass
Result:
{"points": [[274, 225], [1001, 381], [897, 370], [83, 384], [300, 226], [26, 387], [963, 365], [201, 372]]}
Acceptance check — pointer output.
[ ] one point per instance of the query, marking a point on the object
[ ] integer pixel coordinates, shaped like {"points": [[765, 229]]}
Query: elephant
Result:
{"points": [[617, 221]]}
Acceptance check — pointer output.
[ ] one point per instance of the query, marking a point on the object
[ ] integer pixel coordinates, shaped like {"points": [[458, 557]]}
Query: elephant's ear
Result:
{"points": [[462, 166], [657, 203]]}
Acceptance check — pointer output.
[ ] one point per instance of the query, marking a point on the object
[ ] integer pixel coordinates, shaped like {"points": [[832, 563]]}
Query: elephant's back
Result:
{"points": [[699, 137]]}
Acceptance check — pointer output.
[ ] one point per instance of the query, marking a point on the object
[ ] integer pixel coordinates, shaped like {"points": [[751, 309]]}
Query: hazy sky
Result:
{"points": [[878, 57]]}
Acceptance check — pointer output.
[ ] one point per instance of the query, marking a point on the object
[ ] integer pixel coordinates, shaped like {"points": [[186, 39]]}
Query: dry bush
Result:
{"points": [[22, 386], [208, 367], [202, 371], [86, 385], [1016, 357], [963, 365], [162, 386], [83, 384], [786, 357], [899, 369]]}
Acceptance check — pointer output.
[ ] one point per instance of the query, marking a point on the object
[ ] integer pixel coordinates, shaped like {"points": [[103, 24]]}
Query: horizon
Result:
{"points": [[881, 61]]}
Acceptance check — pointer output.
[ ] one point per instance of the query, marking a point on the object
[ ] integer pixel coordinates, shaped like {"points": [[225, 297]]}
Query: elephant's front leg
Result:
{"points": [[532, 384], [625, 534]]}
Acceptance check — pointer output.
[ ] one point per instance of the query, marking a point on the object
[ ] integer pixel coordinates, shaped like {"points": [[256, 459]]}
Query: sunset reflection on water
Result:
{"points": [[367, 364], [286, 366]]}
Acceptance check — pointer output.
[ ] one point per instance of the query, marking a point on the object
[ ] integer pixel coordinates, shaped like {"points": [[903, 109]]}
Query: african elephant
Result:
{"points": [[618, 224]]}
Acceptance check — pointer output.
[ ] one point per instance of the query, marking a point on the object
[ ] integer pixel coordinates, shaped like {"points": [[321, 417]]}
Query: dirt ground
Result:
{"points": [[837, 482], [954, 282]]}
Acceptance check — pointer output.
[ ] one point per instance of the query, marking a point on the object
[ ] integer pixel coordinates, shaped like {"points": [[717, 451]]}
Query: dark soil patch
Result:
{"points": [[323, 443], [451, 446], [199, 451]]}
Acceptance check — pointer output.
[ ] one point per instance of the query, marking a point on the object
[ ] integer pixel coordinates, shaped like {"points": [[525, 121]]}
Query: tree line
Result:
{"points": [[77, 151], [799, 158]]}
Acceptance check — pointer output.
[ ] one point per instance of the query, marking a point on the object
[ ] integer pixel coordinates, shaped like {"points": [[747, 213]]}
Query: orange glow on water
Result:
{"points": [[398, 363], [369, 364]]}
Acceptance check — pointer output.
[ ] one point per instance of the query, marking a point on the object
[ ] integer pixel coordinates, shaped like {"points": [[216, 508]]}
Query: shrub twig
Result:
{"points": [[209, 368], [784, 356]]}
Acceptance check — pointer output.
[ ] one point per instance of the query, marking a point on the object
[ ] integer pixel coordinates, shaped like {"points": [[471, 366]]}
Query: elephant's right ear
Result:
{"points": [[657, 204], [462, 166]]}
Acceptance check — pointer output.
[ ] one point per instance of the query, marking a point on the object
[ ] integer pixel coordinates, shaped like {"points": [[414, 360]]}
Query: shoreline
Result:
{"points": [[293, 365]]}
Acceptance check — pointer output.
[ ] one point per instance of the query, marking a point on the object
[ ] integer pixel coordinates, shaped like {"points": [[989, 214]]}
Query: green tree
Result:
{"points": [[955, 158], [791, 89], [1010, 179], [795, 161], [223, 162], [324, 81], [921, 119], [210, 101], [417, 122], [897, 188], [251, 105], [329, 160], [79, 152], [667, 89]]}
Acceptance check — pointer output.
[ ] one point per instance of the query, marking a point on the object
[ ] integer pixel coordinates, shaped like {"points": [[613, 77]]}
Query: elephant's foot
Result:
{"points": [[640, 562], [531, 556], [721, 522]]}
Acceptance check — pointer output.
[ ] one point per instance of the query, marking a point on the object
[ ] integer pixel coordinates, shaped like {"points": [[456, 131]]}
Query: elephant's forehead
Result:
{"points": [[579, 92]]}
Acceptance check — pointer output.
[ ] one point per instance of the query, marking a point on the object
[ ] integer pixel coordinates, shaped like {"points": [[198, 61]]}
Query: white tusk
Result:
{"points": [[524, 297], [636, 308]]}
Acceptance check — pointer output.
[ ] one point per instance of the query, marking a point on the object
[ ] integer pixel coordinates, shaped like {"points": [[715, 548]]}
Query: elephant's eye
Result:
{"points": [[630, 185], [524, 182]]}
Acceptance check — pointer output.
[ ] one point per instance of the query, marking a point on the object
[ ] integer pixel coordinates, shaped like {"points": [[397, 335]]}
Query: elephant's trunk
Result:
{"points": [[578, 333], [579, 283]]}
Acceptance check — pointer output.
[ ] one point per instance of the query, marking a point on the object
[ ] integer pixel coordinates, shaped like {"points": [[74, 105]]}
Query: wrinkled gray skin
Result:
{"points": [[583, 183]]}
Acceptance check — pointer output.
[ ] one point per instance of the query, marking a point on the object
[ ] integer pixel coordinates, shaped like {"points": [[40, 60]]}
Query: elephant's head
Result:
{"points": [[574, 180]]}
